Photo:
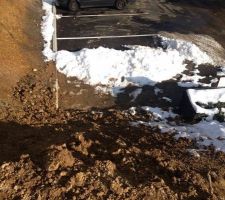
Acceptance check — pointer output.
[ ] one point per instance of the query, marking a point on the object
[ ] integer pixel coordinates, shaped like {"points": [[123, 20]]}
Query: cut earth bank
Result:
{"points": [[95, 154]]}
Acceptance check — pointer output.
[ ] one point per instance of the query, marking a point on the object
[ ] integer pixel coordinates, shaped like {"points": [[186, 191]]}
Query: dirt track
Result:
{"points": [[95, 154]]}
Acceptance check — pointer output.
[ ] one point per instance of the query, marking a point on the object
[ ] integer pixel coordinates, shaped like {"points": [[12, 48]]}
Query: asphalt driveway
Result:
{"points": [[136, 24]]}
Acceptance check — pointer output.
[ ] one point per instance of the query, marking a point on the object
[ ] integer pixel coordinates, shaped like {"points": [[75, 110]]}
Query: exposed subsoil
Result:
{"points": [[95, 154]]}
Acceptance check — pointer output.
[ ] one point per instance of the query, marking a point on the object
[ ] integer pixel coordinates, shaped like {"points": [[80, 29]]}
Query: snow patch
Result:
{"points": [[187, 49], [47, 29], [206, 133], [206, 96], [193, 80], [158, 113], [157, 91], [167, 99], [221, 82]]}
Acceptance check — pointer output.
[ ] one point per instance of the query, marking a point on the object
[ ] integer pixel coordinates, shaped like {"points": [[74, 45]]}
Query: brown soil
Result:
{"points": [[72, 154], [20, 44], [96, 154]]}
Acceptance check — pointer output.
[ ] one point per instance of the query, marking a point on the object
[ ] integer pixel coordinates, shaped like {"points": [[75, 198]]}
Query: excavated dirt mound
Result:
{"points": [[97, 154], [20, 42]]}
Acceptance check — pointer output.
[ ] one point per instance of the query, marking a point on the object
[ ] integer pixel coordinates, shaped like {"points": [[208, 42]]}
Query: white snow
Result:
{"points": [[114, 68], [188, 84], [158, 113], [221, 82], [132, 111], [187, 49], [47, 29], [139, 65], [205, 132], [206, 96]]}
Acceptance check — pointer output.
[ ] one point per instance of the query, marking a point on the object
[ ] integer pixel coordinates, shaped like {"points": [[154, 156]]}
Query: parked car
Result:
{"points": [[74, 5]]}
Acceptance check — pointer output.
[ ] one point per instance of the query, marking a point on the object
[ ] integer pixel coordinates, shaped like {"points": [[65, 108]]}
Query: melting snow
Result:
{"points": [[206, 96], [205, 132]]}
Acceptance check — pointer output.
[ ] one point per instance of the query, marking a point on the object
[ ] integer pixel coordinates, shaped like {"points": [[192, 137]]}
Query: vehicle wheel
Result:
{"points": [[72, 5], [121, 4]]}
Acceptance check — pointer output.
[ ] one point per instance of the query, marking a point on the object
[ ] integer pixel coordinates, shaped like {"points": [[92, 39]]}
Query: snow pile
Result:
{"points": [[206, 97], [205, 132], [115, 68], [111, 69], [139, 65], [187, 49], [47, 29]]}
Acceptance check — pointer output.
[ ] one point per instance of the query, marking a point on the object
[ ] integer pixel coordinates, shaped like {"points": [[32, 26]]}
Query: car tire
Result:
{"points": [[73, 6], [120, 4]]}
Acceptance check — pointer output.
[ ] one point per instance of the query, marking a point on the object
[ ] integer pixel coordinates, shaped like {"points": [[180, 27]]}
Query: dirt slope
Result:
{"points": [[20, 41]]}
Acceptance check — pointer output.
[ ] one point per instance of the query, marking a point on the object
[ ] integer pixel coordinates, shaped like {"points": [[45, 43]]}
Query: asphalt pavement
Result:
{"points": [[107, 27], [93, 27]]}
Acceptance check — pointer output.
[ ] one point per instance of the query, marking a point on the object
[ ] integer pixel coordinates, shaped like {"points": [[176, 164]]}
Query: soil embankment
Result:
{"points": [[20, 42]]}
